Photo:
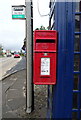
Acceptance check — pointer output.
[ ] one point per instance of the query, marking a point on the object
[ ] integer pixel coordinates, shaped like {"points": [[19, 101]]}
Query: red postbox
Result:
{"points": [[45, 52]]}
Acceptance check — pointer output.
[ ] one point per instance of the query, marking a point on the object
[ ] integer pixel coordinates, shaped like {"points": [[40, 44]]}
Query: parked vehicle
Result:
{"points": [[16, 55]]}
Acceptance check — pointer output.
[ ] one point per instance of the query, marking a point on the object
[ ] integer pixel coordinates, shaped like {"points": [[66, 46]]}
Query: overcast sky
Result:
{"points": [[12, 32]]}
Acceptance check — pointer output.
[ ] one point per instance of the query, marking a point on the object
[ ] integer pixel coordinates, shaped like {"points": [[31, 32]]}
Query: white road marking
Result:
{"points": [[10, 100]]}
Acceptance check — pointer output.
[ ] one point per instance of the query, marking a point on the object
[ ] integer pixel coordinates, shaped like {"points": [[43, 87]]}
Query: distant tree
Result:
{"points": [[48, 28], [1, 49], [24, 45], [37, 29], [41, 28]]}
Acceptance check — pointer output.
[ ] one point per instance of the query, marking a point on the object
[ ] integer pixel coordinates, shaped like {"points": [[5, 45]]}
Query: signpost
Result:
{"points": [[18, 12], [26, 12]]}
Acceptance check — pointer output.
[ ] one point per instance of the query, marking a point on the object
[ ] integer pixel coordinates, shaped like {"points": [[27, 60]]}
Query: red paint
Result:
{"points": [[45, 52]]}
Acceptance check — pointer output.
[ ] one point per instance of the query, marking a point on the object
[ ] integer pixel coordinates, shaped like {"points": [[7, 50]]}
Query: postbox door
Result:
{"points": [[45, 68]]}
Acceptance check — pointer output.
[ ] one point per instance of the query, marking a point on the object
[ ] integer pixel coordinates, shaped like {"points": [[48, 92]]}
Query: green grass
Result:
{"points": [[1, 56]]}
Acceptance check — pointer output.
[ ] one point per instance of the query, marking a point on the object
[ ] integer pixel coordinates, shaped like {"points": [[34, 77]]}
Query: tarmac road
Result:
{"points": [[9, 65]]}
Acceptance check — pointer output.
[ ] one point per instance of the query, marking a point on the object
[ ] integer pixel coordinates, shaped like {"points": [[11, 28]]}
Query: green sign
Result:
{"points": [[18, 16]]}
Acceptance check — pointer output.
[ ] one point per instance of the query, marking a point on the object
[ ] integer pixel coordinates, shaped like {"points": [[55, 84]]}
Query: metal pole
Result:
{"points": [[29, 58]]}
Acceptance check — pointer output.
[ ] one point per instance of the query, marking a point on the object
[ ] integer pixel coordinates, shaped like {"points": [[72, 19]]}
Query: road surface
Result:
{"points": [[7, 66], [10, 64]]}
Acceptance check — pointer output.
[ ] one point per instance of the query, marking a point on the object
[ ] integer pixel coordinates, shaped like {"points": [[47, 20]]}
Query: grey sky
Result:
{"points": [[12, 32]]}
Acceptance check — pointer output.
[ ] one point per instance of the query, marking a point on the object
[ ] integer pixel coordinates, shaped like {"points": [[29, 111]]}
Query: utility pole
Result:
{"points": [[29, 57]]}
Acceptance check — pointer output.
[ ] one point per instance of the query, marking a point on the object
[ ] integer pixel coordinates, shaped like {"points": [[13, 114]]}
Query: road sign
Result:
{"points": [[18, 12]]}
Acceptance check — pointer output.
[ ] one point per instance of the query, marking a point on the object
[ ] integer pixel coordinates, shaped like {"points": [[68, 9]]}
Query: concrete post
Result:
{"points": [[29, 58]]}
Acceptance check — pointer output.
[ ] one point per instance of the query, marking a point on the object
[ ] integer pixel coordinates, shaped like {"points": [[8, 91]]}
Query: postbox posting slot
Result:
{"points": [[45, 41], [45, 44]]}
